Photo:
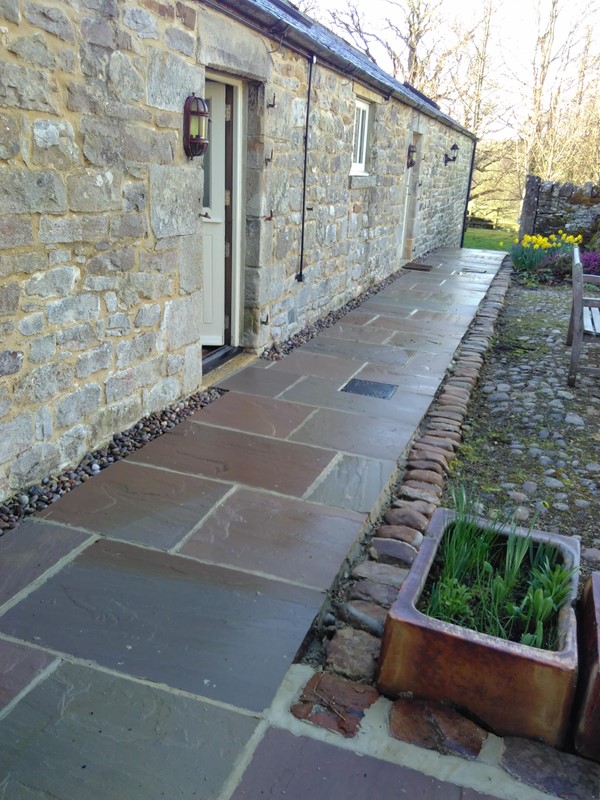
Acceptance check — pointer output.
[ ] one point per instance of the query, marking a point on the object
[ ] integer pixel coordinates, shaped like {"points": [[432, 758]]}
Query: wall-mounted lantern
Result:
{"points": [[195, 126], [410, 161], [448, 159]]}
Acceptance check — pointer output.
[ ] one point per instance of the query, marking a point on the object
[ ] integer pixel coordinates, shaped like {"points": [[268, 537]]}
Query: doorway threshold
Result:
{"points": [[213, 357]]}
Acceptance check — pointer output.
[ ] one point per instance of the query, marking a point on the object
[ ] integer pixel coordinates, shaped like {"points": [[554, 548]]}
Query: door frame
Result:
{"points": [[236, 215]]}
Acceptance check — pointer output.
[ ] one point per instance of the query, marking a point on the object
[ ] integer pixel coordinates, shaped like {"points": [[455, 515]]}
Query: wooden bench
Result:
{"points": [[584, 323]]}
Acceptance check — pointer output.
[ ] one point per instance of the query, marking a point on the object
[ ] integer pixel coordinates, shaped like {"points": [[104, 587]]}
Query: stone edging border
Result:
{"points": [[342, 688]]}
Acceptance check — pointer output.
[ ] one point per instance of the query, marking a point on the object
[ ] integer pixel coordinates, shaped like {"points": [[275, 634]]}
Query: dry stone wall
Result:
{"points": [[100, 235], [549, 207]]}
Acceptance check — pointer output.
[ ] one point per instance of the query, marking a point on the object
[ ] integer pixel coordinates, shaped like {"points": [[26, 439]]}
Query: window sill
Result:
{"points": [[362, 181]]}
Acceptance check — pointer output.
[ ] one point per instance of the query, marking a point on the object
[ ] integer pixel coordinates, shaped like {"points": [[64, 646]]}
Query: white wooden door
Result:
{"points": [[213, 220]]}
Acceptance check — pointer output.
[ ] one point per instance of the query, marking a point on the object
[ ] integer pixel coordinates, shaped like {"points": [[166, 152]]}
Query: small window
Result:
{"points": [[361, 136]]}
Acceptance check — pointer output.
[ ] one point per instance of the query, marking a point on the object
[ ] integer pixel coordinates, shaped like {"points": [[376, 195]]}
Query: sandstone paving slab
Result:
{"points": [[19, 666], [328, 394], [302, 362], [139, 504], [282, 536], [357, 351], [29, 550], [299, 768], [237, 457], [358, 435], [359, 333], [82, 733], [253, 414], [212, 631], [254, 380], [353, 482], [413, 380]]}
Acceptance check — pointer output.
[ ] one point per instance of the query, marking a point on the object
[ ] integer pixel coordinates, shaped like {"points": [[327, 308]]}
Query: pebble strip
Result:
{"points": [[53, 487]]}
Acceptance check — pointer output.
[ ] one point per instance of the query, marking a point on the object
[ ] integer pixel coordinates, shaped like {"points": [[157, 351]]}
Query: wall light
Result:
{"points": [[448, 159], [410, 161], [195, 126]]}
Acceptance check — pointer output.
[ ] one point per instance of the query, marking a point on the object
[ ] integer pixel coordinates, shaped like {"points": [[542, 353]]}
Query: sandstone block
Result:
{"points": [[9, 9], [93, 191], [181, 41], [59, 281], [373, 592], [136, 349], [11, 361], [407, 517], [96, 360], [9, 137], [28, 192], [175, 195], [128, 226], [167, 71], [33, 464], [16, 435], [110, 144], [42, 349], [180, 321], [54, 143], [78, 229], [79, 308], [99, 32], [118, 324], [44, 383], [380, 573], [354, 654], [391, 550], [192, 371], [78, 405], [147, 316], [186, 15], [116, 417], [74, 444], [14, 232], [141, 22], [190, 264], [26, 88], [162, 394], [125, 81], [77, 337], [32, 324], [50, 19], [10, 294]]}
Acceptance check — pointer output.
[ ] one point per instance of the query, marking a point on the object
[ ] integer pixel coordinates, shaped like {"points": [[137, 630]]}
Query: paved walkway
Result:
{"points": [[150, 618]]}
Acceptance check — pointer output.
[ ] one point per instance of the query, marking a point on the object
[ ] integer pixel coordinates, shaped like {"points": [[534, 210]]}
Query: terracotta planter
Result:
{"points": [[587, 713], [511, 688]]}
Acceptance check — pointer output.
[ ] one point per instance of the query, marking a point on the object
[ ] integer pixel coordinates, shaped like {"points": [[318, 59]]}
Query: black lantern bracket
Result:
{"points": [[451, 159], [195, 126], [410, 156]]}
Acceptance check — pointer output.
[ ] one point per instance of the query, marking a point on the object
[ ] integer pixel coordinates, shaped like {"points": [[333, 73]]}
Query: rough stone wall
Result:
{"points": [[549, 207], [100, 283], [100, 238]]}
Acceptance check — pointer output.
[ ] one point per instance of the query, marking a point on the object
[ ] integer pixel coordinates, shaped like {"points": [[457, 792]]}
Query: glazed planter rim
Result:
{"points": [[414, 584], [511, 688]]}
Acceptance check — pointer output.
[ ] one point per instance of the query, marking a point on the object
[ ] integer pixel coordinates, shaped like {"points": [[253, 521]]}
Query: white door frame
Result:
{"points": [[237, 201]]}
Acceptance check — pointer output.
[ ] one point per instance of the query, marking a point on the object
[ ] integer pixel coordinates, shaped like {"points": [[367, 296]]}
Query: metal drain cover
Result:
{"points": [[370, 388]]}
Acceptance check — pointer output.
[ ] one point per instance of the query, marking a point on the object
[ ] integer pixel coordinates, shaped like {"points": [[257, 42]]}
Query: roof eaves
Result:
{"points": [[288, 25]]}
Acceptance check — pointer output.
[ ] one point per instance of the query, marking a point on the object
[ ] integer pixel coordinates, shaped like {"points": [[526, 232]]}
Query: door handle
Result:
{"points": [[206, 215]]}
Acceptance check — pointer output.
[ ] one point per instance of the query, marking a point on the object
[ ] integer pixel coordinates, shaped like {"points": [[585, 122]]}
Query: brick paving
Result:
{"points": [[152, 618]]}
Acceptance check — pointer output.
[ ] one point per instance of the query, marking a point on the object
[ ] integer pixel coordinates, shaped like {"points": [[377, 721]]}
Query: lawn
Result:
{"points": [[484, 239]]}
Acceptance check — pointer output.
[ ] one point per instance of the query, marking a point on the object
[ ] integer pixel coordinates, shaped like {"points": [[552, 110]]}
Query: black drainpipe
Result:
{"points": [[462, 238], [299, 274]]}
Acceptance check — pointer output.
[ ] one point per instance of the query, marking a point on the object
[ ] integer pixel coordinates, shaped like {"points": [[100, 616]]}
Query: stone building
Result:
{"points": [[120, 257]]}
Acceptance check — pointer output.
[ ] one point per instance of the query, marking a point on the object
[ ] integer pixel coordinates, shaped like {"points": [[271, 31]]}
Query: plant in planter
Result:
{"points": [[485, 620]]}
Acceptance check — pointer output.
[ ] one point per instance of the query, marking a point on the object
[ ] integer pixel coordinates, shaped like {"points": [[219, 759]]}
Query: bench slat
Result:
{"points": [[595, 320]]}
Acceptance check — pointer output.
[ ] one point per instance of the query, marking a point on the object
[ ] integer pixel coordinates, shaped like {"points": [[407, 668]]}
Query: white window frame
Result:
{"points": [[360, 139]]}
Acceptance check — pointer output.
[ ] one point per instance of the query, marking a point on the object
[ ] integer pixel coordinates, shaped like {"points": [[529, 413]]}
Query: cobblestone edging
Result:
{"points": [[351, 630]]}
